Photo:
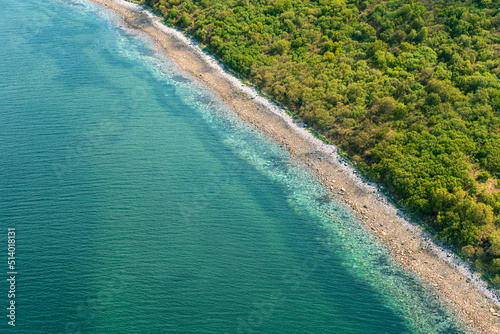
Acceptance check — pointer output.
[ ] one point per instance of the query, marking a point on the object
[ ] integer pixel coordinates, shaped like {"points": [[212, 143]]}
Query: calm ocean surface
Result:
{"points": [[143, 205]]}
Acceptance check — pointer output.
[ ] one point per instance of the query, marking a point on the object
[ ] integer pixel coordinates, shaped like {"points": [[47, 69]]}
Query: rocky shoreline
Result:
{"points": [[412, 248]]}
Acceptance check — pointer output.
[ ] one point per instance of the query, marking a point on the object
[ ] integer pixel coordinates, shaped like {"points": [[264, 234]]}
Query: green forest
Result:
{"points": [[410, 90]]}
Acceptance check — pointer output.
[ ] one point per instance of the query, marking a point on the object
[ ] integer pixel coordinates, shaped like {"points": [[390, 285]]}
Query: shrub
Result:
{"points": [[184, 20], [469, 251], [483, 176]]}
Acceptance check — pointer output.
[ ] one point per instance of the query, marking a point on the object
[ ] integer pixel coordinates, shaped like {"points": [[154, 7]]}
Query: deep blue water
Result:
{"points": [[143, 205]]}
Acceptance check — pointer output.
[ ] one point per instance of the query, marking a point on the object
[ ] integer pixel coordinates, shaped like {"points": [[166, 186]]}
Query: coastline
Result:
{"points": [[412, 249]]}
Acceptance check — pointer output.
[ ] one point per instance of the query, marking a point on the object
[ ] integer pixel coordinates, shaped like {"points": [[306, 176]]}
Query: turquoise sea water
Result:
{"points": [[143, 205]]}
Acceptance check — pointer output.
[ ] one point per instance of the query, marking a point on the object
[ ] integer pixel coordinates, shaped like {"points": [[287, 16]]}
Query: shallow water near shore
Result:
{"points": [[143, 205]]}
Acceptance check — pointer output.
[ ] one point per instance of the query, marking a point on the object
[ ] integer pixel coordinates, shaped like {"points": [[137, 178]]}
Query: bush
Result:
{"points": [[483, 176], [184, 20], [495, 281], [469, 251], [494, 240], [173, 13], [479, 265], [495, 266]]}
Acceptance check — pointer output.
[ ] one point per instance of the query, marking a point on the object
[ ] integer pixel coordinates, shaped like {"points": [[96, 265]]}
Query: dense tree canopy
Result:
{"points": [[409, 89]]}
